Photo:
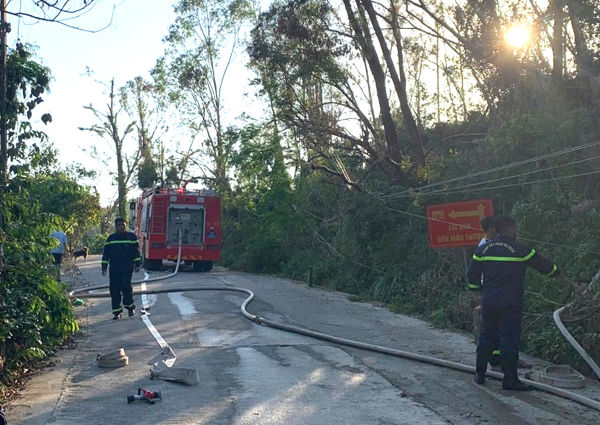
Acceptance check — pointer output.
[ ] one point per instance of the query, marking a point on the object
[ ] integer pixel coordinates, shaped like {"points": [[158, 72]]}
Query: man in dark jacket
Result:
{"points": [[503, 263], [122, 253]]}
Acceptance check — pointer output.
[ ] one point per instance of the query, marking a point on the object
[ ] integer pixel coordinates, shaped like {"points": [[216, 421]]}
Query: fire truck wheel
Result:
{"points": [[203, 266], [152, 264]]}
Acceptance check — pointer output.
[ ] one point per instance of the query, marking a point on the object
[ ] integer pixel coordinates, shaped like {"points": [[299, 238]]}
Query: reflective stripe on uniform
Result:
{"points": [[111, 242], [104, 262], [508, 259], [553, 271], [473, 286], [496, 352]]}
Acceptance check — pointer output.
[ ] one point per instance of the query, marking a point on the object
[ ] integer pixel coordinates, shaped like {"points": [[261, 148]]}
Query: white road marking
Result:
{"points": [[146, 319], [185, 306]]}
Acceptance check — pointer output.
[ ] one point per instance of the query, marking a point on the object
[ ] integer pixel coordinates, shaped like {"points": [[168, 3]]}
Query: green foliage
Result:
{"points": [[374, 244], [35, 312], [95, 243]]}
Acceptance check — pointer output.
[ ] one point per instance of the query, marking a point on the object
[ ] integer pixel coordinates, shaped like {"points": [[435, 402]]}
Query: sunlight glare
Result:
{"points": [[517, 36]]}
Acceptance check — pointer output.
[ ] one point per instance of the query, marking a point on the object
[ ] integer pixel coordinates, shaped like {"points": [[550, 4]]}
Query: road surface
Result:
{"points": [[252, 374]]}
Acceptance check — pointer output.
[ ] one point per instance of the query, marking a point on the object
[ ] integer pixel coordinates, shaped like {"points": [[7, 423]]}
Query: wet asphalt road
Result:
{"points": [[252, 374]]}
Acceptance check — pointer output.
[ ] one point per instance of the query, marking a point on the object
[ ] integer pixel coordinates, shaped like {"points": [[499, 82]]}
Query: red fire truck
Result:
{"points": [[161, 213]]}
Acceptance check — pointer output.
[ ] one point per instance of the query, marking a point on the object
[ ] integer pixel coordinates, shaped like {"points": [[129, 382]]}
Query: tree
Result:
{"points": [[202, 45], [44, 10], [27, 82], [62, 13], [507, 77], [309, 58], [35, 311], [398, 77], [258, 160], [146, 105], [59, 193], [109, 130]]}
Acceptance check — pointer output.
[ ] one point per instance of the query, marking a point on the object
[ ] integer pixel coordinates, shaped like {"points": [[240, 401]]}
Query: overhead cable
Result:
{"points": [[503, 167], [466, 226], [453, 189], [459, 190]]}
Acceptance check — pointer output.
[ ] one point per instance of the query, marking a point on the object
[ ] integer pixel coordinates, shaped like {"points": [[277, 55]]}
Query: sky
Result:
{"points": [[129, 47]]}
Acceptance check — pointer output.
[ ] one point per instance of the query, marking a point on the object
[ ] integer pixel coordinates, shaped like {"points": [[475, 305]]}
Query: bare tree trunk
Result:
{"points": [[368, 50], [3, 130], [412, 129], [121, 184], [3, 87], [558, 41], [398, 78], [109, 129], [583, 57]]}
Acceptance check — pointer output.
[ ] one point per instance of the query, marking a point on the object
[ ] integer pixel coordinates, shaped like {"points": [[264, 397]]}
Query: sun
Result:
{"points": [[517, 36]]}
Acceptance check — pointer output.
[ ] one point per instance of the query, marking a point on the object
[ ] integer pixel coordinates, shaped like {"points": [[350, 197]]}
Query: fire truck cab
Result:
{"points": [[161, 214]]}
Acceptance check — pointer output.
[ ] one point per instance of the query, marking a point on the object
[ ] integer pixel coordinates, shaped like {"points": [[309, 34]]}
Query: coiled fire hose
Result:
{"points": [[586, 401]]}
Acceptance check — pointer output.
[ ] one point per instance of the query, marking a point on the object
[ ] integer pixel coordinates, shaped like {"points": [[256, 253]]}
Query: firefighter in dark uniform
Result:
{"points": [[122, 254], [503, 263]]}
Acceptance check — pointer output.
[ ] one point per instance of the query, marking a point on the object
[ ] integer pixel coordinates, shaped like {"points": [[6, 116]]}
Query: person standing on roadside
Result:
{"points": [[488, 226], [121, 253], [59, 251], [503, 263]]}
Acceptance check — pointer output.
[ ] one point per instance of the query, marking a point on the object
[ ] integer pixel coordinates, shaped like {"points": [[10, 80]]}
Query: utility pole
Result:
{"points": [[4, 29]]}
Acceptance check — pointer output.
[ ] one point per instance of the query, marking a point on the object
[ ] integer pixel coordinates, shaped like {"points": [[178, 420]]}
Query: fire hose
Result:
{"points": [[588, 359], [569, 395], [586, 401]]}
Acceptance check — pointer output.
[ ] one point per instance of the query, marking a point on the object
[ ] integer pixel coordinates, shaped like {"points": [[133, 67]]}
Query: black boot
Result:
{"points": [[116, 316], [2, 417], [512, 382], [130, 312], [480, 368], [517, 386]]}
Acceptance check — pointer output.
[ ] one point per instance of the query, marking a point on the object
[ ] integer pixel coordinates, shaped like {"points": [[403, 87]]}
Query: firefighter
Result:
{"points": [[122, 253], [488, 226], [503, 263]]}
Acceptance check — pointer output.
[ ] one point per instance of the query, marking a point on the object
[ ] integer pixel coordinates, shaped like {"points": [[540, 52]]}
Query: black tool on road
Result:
{"points": [[2, 418], [145, 395]]}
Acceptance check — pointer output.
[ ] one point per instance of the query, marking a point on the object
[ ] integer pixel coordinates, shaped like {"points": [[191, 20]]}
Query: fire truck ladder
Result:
{"points": [[158, 218]]}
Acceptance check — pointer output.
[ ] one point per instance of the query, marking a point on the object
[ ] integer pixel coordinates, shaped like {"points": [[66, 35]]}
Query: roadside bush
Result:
{"points": [[96, 243], [35, 312]]}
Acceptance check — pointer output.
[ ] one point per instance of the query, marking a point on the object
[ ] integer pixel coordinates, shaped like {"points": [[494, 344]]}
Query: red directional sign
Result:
{"points": [[457, 224]]}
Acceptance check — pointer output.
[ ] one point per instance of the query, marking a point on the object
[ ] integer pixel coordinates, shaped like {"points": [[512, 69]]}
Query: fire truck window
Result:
{"points": [[144, 218]]}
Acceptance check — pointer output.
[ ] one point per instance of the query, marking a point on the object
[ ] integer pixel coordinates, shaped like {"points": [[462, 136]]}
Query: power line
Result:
{"points": [[503, 167], [466, 226], [454, 189], [19, 21], [331, 248]]}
